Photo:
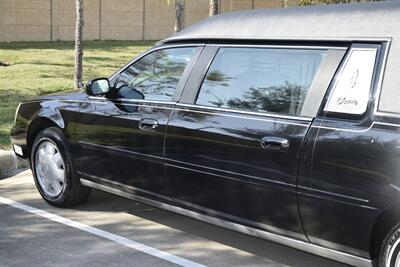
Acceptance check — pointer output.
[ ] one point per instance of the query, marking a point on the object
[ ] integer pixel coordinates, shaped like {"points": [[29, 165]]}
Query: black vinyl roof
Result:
{"points": [[373, 21]]}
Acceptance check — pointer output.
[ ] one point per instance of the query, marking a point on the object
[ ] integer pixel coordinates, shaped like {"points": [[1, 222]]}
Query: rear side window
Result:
{"points": [[260, 79], [351, 92]]}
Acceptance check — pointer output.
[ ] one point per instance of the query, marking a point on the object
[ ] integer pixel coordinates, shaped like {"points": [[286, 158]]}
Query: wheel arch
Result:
{"points": [[35, 127], [386, 220]]}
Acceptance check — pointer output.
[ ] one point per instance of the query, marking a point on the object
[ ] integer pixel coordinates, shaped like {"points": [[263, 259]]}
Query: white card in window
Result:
{"points": [[352, 89]]}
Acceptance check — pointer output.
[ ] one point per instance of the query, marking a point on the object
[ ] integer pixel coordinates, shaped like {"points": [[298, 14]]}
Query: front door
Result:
{"points": [[232, 149], [121, 137]]}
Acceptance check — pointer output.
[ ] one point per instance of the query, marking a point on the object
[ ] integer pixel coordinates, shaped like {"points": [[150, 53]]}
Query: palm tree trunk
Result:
{"points": [[213, 8], [78, 44], [178, 15]]}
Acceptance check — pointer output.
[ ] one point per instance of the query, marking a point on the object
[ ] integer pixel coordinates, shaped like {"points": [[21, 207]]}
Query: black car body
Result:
{"points": [[282, 124]]}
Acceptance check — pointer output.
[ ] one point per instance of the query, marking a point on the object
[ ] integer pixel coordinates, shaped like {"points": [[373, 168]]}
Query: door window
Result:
{"points": [[260, 79], [155, 76]]}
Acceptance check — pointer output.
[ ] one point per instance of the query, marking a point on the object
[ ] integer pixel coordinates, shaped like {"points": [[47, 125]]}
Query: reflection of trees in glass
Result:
{"points": [[216, 77], [260, 79], [157, 75], [158, 87], [287, 98]]}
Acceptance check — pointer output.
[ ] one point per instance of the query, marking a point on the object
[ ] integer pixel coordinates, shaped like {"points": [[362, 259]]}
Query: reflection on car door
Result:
{"points": [[232, 149], [122, 137]]}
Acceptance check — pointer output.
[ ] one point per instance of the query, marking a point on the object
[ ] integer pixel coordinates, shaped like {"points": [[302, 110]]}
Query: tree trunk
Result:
{"points": [[213, 8], [78, 44], [178, 15]]}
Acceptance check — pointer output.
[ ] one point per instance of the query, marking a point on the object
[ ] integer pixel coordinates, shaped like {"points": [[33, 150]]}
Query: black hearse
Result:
{"points": [[282, 124]]}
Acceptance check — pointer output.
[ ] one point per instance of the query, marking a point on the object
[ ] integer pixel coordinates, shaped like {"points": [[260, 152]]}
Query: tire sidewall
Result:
{"points": [[56, 137], [391, 243]]}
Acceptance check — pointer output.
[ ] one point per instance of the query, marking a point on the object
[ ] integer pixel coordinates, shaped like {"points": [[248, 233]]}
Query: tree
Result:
{"points": [[179, 8], [179, 12], [213, 8], [78, 44], [284, 3]]}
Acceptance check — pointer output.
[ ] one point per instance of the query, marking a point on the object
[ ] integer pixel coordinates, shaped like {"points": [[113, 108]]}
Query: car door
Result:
{"points": [[234, 140], [350, 159], [121, 135]]}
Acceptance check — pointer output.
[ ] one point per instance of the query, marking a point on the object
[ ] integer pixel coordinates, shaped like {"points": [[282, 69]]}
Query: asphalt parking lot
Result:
{"points": [[111, 231]]}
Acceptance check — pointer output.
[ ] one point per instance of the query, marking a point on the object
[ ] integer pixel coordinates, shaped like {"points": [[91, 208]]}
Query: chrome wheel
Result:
{"points": [[393, 254], [397, 263], [50, 168]]}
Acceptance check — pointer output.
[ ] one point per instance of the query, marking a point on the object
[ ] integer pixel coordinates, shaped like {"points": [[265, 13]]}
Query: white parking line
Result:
{"points": [[104, 234]]}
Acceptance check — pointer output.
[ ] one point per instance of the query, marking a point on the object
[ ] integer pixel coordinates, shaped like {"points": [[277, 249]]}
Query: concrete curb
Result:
{"points": [[9, 163]]}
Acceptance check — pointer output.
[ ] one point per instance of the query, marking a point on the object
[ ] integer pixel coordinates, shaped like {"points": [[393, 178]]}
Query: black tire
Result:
{"points": [[390, 248], [73, 192]]}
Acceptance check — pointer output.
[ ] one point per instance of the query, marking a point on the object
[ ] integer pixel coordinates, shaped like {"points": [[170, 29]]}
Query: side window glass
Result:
{"points": [[260, 79], [351, 91], [155, 76]]}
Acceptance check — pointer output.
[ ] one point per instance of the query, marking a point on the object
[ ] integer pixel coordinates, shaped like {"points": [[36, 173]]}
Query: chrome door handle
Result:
{"points": [[148, 124], [274, 143]]}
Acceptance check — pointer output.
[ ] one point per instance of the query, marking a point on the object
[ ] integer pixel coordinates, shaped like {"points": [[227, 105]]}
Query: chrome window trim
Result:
{"points": [[151, 50], [262, 114], [134, 101], [140, 101], [100, 100], [290, 242], [97, 98], [289, 46]]}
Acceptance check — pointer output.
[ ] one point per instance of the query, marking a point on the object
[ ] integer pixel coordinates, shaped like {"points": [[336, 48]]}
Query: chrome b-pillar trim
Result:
{"points": [[301, 245]]}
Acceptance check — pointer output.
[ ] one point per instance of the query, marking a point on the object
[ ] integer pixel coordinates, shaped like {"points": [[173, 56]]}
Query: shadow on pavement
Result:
{"points": [[281, 255], [10, 173]]}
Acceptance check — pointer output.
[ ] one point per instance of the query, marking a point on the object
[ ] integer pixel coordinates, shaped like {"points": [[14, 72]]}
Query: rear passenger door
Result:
{"points": [[347, 169], [234, 140]]}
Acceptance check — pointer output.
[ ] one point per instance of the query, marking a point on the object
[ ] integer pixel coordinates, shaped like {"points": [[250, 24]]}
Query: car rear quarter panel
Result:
{"points": [[349, 177]]}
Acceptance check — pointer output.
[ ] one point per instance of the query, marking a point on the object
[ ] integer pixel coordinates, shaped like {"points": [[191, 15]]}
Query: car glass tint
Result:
{"points": [[155, 76], [260, 79]]}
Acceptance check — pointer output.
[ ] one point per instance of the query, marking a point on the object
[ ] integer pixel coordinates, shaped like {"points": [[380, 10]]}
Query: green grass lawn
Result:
{"points": [[44, 67]]}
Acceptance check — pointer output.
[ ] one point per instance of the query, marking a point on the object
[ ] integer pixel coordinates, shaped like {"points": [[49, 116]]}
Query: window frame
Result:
{"points": [[114, 78], [372, 98], [208, 55]]}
